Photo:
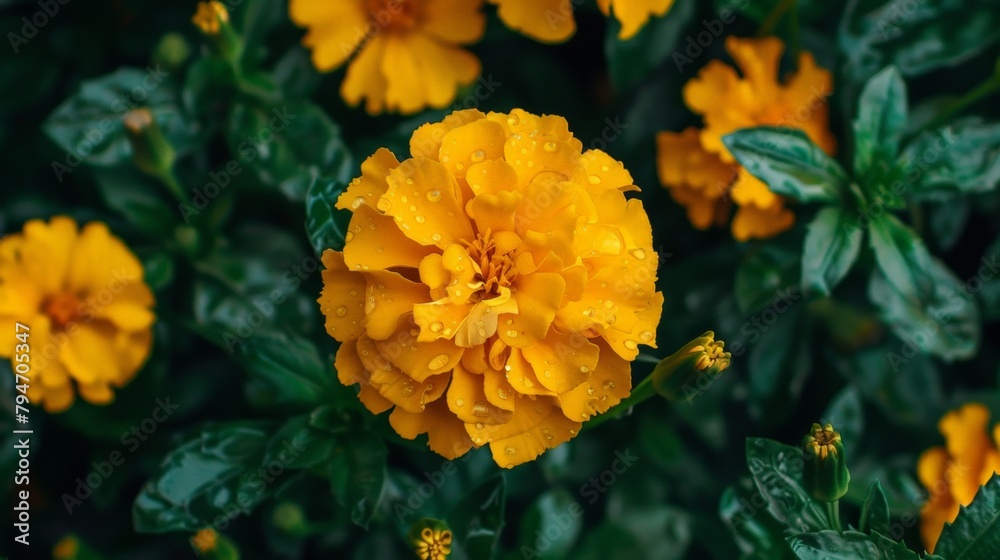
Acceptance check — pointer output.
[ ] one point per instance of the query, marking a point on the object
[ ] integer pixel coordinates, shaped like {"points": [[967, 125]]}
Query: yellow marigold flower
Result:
{"points": [[66, 548], [210, 16], [953, 473], [551, 21], [433, 542], [408, 50], [494, 287], [82, 295], [697, 168]]}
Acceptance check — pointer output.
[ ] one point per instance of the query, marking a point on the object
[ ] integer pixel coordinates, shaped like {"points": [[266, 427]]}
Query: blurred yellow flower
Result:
{"points": [[408, 54], [82, 295], [494, 287], [210, 16], [551, 21], [205, 540], [697, 168], [953, 473]]}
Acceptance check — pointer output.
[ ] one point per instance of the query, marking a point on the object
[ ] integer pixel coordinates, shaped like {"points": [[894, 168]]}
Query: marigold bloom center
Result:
{"points": [[434, 545], [62, 309], [713, 352], [822, 442], [494, 270], [393, 15]]}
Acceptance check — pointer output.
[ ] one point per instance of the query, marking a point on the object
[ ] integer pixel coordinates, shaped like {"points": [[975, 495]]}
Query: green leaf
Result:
{"points": [[989, 296], [975, 533], [298, 445], [551, 525], [765, 272], [139, 198], [880, 121], [918, 37], [286, 146], [285, 370], [789, 163], [875, 511], [609, 541], [325, 225], [358, 474], [754, 529], [478, 518], [89, 125], [832, 244], [849, 545], [776, 368], [846, 414], [960, 158], [632, 60], [218, 473], [777, 472], [918, 296]]}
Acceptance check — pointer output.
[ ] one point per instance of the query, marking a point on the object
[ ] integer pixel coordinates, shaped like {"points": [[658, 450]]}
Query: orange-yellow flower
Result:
{"points": [[953, 473], [493, 287], [551, 21], [697, 168], [408, 51], [82, 295]]}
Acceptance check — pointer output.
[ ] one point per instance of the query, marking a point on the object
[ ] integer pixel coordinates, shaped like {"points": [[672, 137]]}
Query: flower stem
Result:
{"points": [[833, 512], [169, 178], [769, 24], [642, 392]]}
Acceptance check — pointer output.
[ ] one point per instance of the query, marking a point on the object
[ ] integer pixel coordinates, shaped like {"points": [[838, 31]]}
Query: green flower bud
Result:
{"points": [[172, 51], [151, 151], [212, 18], [688, 371], [825, 475], [289, 518]]}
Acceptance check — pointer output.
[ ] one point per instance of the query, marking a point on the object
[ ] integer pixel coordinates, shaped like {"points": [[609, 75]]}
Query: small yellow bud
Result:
{"points": [[210, 17], [825, 475], [151, 151], [431, 539], [686, 372]]}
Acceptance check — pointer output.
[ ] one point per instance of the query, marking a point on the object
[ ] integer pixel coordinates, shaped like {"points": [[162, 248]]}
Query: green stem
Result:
{"points": [[771, 21], [917, 217], [642, 392], [833, 512], [173, 185]]}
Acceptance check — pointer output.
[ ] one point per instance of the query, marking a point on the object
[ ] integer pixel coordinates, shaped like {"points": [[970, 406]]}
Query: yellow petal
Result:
{"points": [[98, 393], [46, 251], [342, 298], [633, 14], [57, 400], [758, 60], [102, 264], [425, 142], [335, 29], [538, 298], [425, 201], [421, 72], [490, 177], [548, 21], [467, 399], [388, 298], [393, 384], [681, 161], [751, 222], [536, 425], [521, 375], [364, 78], [371, 185], [608, 384], [87, 351], [454, 21], [472, 143], [967, 441], [419, 360], [495, 212], [446, 434], [126, 315], [374, 242], [562, 361]]}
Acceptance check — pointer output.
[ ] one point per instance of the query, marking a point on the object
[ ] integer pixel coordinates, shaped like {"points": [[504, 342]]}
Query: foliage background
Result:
{"points": [[823, 358]]}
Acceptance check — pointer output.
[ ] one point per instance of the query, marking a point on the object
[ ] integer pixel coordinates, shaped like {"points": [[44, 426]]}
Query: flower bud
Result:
{"points": [[687, 372], [151, 151], [289, 518], [210, 545], [172, 51], [212, 18], [431, 539], [825, 475]]}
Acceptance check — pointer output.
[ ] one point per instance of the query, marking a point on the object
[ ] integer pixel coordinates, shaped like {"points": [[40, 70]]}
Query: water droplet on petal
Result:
{"points": [[584, 369], [341, 311], [478, 156], [479, 409], [435, 237], [510, 450], [608, 385], [357, 202], [434, 195], [639, 254], [594, 180], [348, 237], [630, 344], [420, 219], [436, 326], [502, 394], [646, 336], [438, 362], [459, 402], [513, 120], [588, 312], [479, 425], [549, 146], [384, 205], [512, 333]]}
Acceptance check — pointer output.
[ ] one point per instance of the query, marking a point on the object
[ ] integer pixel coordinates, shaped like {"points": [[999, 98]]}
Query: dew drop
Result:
{"points": [[409, 181], [608, 385], [341, 311], [435, 237], [420, 219], [478, 156], [646, 336], [590, 390], [479, 425], [407, 388], [357, 202], [610, 318], [594, 180], [589, 312], [609, 304], [513, 120], [479, 409], [510, 450], [434, 195], [348, 237], [549, 146], [502, 394], [639, 254], [459, 402], [436, 326], [384, 205], [439, 361], [512, 333], [413, 208], [630, 344], [584, 369]]}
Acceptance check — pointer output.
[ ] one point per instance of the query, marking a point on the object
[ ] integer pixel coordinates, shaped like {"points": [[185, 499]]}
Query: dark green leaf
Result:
{"points": [[880, 120], [325, 225], [298, 445], [776, 368], [918, 296], [989, 273], [917, 37], [875, 511], [286, 146], [754, 529], [849, 545], [789, 163], [551, 525], [358, 473], [216, 474], [763, 274], [89, 125], [960, 158], [139, 198], [608, 541], [284, 369], [777, 473], [975, 533], [847, 416], [947, 220], [632, 60], [833, 242], [479, 517]]}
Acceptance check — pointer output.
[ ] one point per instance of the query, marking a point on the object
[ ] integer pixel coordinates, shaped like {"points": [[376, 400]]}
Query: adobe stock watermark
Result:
{"points": [[265, 307], [762, 321], [592, 490], [47, 10], [248, 150], [695, 45], [121, 106], [131, 439]]}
